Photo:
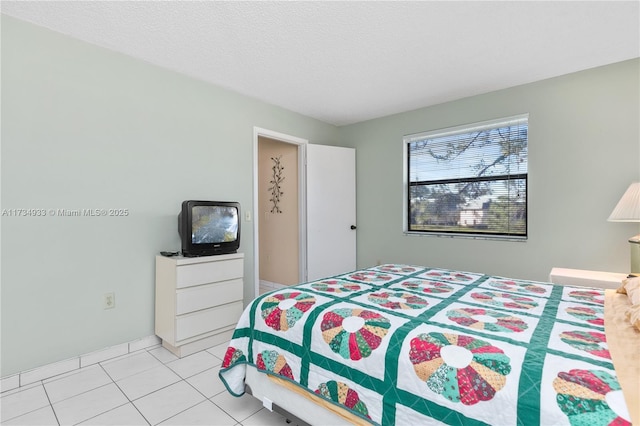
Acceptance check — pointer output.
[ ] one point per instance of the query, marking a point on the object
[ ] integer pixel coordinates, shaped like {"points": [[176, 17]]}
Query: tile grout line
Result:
{"points": [[85, 392], [207, 399], [197, 390], [33, 385], [50, 403], [132, 402], [125, 395], [76, 371], [153, 340], [111, 380]]}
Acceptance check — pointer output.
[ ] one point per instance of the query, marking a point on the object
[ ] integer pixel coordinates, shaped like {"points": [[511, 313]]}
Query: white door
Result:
{"points": [[331, 210]]}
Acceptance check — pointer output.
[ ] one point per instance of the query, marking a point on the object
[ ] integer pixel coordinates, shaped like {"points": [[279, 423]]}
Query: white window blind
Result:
{"points": [[469, 180]]}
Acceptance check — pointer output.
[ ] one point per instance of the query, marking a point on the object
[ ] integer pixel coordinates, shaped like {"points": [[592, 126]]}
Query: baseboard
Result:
{"points": [[269, 284], [61, 367], [201, 344]]}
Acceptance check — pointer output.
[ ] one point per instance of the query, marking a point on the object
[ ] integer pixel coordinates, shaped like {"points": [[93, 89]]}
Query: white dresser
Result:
{"points": [[198, 300]]}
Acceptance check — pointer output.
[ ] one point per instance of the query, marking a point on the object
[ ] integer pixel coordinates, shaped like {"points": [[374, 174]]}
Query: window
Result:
{"points": [[468, 180]]}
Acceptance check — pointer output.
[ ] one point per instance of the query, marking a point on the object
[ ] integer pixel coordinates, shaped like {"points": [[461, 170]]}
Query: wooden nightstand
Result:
{"points": [[582, 278]]}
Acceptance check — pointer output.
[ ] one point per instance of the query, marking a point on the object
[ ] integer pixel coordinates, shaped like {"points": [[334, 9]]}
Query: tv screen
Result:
{"points": [[214, 224], [209, 228]]}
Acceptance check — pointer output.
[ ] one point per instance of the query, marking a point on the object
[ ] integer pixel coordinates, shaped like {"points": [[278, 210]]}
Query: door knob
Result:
{"points": [[353, 227]]}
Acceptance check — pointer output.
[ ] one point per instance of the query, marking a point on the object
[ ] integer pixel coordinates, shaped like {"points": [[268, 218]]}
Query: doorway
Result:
{"points": [[279, 206]]}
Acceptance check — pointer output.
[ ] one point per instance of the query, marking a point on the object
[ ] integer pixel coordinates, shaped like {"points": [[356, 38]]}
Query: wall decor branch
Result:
{"points": [[276, 191]]}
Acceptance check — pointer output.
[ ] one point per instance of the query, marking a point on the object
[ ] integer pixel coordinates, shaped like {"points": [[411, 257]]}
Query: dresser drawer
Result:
{"points": [[208, 272], [207, 296], [201, 322]]}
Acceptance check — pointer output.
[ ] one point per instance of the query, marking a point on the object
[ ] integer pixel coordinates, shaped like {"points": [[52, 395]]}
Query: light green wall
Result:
{"points": [[84, 127], [584, 146]]}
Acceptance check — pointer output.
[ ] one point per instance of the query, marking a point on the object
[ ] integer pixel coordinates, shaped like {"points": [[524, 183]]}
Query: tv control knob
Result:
{"points": [[353, 227]]}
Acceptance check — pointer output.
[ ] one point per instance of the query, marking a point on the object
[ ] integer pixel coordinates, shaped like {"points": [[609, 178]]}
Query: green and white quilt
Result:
{"points": [[401, 344]]}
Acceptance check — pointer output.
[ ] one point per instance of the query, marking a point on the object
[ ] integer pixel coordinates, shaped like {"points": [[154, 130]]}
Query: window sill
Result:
{"points": [[467, 237]]}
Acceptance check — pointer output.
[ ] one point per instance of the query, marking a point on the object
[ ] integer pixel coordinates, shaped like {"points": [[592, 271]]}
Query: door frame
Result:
{"points": [[302, 202]]}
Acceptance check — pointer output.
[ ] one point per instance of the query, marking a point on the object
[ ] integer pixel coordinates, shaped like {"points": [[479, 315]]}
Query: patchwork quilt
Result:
{"points": [[402, 344]]}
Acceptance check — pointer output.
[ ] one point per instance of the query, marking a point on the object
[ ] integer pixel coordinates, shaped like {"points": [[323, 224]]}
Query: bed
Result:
{"points": [[404, 344]]}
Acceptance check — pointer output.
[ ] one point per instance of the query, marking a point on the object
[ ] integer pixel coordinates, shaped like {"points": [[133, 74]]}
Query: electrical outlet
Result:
{"points": [[109, 300]]}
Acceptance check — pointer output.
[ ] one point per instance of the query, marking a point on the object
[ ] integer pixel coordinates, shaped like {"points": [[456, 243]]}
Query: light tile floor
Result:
{"points": [[148, 387]]}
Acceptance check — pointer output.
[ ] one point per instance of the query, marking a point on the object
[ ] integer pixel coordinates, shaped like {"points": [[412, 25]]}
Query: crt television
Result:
{"points": [[208, 228]]}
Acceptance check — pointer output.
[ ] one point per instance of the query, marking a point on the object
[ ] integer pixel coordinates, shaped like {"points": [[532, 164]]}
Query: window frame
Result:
{"points": [[465, 128]]}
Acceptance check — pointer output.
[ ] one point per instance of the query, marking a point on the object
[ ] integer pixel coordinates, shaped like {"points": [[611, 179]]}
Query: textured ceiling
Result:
{"points": [[347, 61]]}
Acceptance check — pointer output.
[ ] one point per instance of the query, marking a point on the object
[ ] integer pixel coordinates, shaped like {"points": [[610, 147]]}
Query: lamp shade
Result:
{"points": [[628, 208]]}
